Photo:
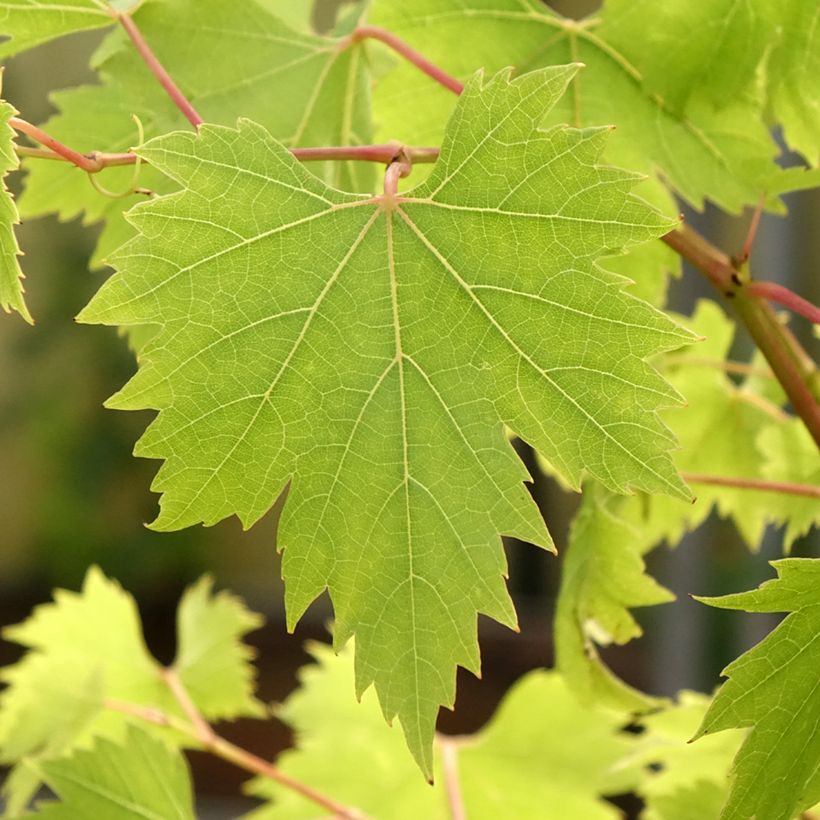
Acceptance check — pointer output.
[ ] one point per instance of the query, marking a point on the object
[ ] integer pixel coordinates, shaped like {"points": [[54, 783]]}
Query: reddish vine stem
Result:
{"points": [[787, 487], [158, 70], [97, 160], [242, 758], [409, 53], [789, 362], [783, 296], [83, 161], [449, 754]]}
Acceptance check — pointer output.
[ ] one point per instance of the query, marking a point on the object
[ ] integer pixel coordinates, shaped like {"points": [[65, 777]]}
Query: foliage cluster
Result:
{"points": [[369, 345]]}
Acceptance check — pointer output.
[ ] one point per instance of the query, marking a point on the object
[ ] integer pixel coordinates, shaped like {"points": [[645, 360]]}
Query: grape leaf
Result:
{"points": [[323, 336], [684, 780], [28, 23], [716, 49], [773, 688], [793, 69], [88, 647], [602, 577], [720, 152], [719, 433], [791, 456], [11, 287], [542, 755], [230, 60], [140, 778]]}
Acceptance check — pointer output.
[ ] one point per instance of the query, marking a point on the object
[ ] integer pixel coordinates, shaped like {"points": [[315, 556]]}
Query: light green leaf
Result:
{"points": [[719, 432], [602, 577], [213, 663], [11, 287], [28, 23], [717, 48], [793, 68], [542, 756], [86, 648], [791, 456], [720, 152], [773, 688], [321, 336], [238, 60], [684, 781], [138, 779]]}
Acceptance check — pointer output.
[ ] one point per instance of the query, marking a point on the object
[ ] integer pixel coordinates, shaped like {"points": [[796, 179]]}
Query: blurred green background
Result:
{"points": [[71, 494]]}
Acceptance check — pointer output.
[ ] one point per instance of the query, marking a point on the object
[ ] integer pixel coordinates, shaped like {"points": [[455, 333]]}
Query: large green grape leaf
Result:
{"points": [[774, 688], [140, 778], [11, 287], [602, 577], [312, 335], [28, 23], [88, 647], [230, 60], [684, 781], [543, 755]]}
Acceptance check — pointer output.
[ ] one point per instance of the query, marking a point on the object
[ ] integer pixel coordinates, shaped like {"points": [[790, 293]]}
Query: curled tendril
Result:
{"points": [[132, 187]]}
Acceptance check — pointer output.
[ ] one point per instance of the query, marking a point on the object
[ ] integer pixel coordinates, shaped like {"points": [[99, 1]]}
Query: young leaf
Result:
{"points": [[773, 689], [28, 23], [602, 577], [140, 778], [88, 648], [320, 336], [11, 287], [541, 749]]}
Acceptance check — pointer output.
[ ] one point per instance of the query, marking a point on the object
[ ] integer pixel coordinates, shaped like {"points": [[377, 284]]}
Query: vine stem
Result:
{"points": [[787, 298], [789, 488], [449, 755], [83, 161], [410, 54], [158, 70], [790, 364], [95, 161], [222, 748]]}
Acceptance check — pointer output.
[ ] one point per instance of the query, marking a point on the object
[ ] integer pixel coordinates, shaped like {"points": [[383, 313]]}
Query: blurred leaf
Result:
{"points": [[87, 648], [140, 778], [684, 781], [602, 577], [27, 23], [542, 756]]}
